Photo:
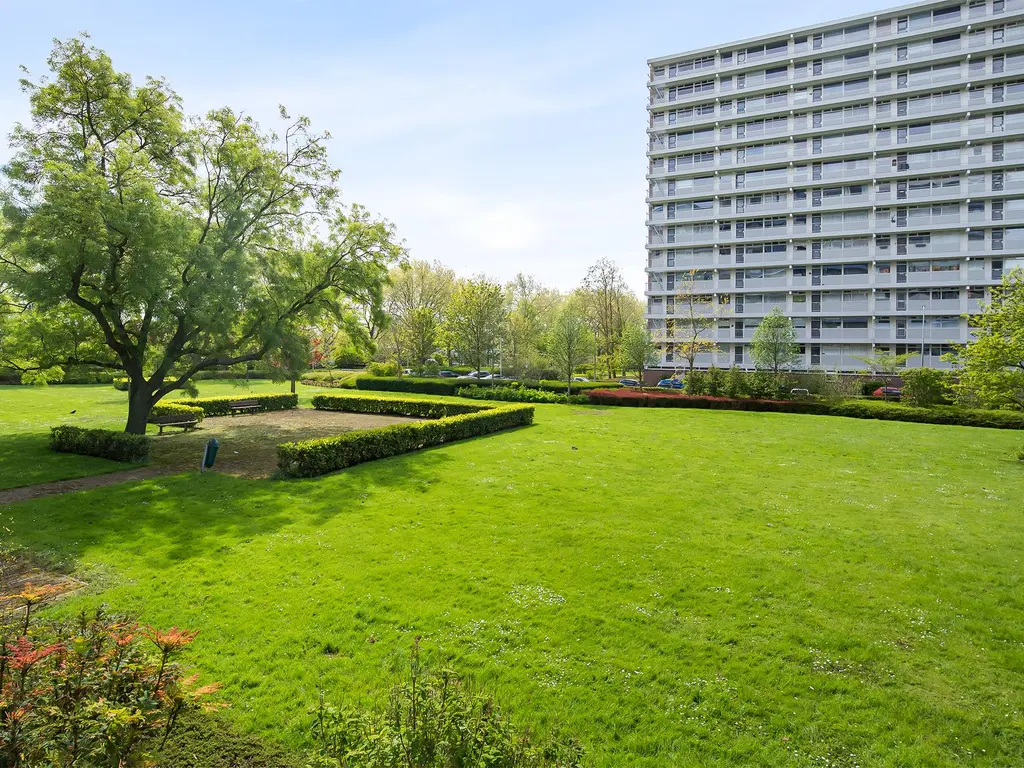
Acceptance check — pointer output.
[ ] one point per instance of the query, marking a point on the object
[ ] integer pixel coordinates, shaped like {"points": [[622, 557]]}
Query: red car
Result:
{"points": [[888, 393]]}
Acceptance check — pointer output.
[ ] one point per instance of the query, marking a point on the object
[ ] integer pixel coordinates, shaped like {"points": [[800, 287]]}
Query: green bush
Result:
{"points": [[735, 383], [855, 409], [716, 382], [925, 387], [382, 369], [394, 406], [176, 408], [120, 384], [551, 385], [104, 443], [521, 395], [78, 375], [218, 406], [310, 458], [696, 383], [43, 377], [409, 384]]}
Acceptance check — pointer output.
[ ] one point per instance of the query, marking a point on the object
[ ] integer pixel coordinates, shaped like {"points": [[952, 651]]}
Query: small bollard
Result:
{"points": [[209, 455]]}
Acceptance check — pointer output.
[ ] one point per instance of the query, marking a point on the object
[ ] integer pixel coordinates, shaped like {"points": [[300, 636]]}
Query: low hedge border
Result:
{"points": [[521, 395], [218, 406], [449, 422], [422, 386], [854, 409], [104, 443], [177, 408]]}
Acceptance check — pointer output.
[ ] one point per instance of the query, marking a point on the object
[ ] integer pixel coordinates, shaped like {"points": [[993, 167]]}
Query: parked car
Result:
{"points": [[580, 378], [888, 393], [672, 383], [448, 374], [629, 382], [408, 372]]}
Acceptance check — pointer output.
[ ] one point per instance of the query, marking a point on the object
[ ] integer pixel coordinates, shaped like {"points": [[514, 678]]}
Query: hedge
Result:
{"points": [[521, 395], [395, 406], [409, 384], [310, 458], [174, 408], [854, 409], [104, 443], [218, 406], [578, 387]]}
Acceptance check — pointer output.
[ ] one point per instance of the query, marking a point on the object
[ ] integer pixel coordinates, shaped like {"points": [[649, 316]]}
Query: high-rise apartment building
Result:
{"points": [[864, 176]]}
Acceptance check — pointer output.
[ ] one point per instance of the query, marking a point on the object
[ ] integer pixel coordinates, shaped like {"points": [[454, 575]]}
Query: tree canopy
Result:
{"points": [[992, 367], [774, 346], [161, 244]]}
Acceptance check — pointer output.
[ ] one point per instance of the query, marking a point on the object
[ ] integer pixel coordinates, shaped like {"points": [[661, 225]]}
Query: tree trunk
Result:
{"points": [[140, 403], [293, 386]]}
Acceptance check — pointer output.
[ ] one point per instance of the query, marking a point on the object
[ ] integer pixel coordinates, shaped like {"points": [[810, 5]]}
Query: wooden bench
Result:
{"points": [[174, 420], [244, 406]]}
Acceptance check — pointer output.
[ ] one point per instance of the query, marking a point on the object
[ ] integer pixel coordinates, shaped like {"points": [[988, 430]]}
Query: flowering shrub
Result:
{"points": [[432, 720], [96, 691]]}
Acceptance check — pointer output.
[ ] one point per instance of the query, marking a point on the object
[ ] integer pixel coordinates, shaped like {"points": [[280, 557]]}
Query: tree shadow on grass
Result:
{"points": [[168, 520], [26, 459]]}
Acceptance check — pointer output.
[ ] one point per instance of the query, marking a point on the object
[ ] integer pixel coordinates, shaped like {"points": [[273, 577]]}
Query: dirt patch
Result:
{"points": [[18, 576], [24, 493], [248, 444]]}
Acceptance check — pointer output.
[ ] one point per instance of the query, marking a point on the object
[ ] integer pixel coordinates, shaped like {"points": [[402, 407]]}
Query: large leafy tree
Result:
{"points": [[187, 242], [570, 341], [414, 301], [992, 366], [474, 320], [774, 346], [610, 305], [531, 310]]}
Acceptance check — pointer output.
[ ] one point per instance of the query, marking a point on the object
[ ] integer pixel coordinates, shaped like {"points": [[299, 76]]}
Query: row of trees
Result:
{"points": [[523, 327]]}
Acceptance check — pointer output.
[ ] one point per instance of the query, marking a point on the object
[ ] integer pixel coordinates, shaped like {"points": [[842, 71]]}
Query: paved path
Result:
{"points": [[12, 495]]}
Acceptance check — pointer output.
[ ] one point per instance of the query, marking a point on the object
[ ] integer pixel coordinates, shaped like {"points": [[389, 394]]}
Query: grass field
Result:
{"points": [[674, 587]]}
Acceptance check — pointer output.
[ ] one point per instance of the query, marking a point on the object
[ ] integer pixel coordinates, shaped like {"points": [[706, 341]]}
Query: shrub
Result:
{"points": [[925, 387], [697, 383], [432, 720], [78, 375], [868, 386], [218, 406], [716, 381], [520, 395], [89, 692], [856, 409], [394, 406], [173, 408], [735, 383], [104, 443], [813, 381], [120, 384], [382, 369], [310, 458], [409, 384], [838, 387], [551, 385]]}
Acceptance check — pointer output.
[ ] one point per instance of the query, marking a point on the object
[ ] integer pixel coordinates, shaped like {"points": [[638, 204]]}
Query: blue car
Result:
{"points": [[672, 383]]}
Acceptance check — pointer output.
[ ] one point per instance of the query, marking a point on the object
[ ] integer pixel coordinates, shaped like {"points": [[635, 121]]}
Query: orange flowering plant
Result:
{"points": [[90, 691]]}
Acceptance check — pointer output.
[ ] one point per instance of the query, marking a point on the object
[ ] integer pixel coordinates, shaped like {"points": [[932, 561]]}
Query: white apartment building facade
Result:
{"points": [[864, 176]]}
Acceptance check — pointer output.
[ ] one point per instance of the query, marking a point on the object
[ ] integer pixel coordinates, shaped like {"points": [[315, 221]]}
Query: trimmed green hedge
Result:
{"points": [[173, 408], [521, 395], [409, 384], [310, 458], [120, 384], [104, 443], [578, 387], [394, 406], [218, 406], [854, 409]]}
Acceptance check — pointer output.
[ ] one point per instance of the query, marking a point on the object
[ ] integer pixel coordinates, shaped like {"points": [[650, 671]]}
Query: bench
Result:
{"points": [[799, 393], [243, 406], [174, 420]]}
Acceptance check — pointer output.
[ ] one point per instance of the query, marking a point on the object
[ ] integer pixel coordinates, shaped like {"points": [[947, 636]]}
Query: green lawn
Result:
{"points": [[675, 587]]}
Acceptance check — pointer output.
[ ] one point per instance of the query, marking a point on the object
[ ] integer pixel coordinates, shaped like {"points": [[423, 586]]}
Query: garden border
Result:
{"points": [[445, 422]]}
